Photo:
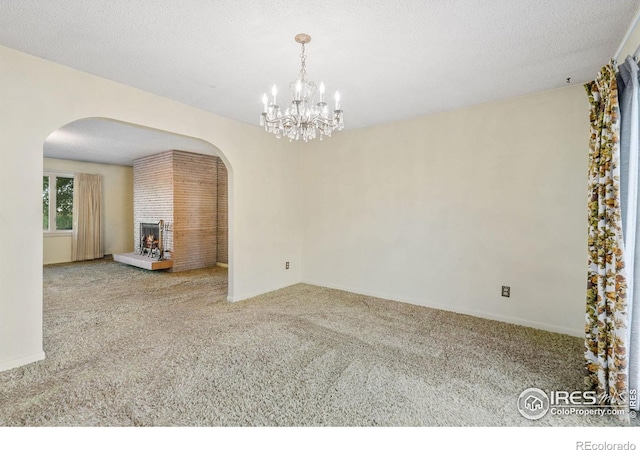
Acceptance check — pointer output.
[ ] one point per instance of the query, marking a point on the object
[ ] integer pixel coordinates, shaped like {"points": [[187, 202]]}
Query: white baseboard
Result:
{"points": [[255, 294], [470, 312], [222, 265], [13, 363]]}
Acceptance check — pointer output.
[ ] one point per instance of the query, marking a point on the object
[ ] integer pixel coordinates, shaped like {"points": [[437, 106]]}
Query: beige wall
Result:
{"points": [[39, 97], [117, 185], [443, 210]]}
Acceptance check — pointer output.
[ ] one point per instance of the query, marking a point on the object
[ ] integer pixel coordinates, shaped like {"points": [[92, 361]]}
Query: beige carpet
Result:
{"points": [[130, 347]]}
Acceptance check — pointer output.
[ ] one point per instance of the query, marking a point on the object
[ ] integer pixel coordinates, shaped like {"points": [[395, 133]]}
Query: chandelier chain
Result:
{"points": [[303, 67]]}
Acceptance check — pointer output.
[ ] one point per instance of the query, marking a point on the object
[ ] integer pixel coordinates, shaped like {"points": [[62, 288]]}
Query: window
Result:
{"points": [[57, 202]]}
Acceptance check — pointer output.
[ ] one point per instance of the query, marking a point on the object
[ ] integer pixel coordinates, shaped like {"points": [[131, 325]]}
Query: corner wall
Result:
{"points": [[630, 46], [443, 210]]}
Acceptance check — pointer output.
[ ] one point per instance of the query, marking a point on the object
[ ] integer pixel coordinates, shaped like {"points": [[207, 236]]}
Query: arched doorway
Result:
{"points": [[111, 147]]}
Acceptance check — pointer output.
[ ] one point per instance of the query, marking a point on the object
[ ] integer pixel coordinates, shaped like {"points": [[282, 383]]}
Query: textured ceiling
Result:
{"points": [[390, 59]]}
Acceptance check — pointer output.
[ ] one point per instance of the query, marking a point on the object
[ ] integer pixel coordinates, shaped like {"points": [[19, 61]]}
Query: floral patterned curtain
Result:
{"points": [[606, 327]]}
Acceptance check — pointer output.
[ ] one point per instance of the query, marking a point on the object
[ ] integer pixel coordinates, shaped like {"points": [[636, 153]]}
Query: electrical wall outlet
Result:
{"points": [[506, 291], [286, 266]]}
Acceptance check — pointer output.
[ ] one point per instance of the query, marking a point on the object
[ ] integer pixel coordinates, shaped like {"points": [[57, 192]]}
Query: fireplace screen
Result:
{"points": [[151, 240]]}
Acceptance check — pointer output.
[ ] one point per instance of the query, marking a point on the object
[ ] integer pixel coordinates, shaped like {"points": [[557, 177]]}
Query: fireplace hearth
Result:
{"points": [[150, 253]]}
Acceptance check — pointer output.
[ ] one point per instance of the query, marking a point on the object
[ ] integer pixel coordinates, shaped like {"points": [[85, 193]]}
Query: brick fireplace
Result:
{"points": [[187, 194]]}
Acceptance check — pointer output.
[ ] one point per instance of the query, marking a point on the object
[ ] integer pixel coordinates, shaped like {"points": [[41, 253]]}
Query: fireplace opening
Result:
{"points": [[151, 244]]}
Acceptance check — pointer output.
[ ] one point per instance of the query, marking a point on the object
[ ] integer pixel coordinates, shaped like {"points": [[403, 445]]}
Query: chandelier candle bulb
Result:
{"points": [[337, 100], [298, 89], [321, 92], [265, 101], [274, 91]]}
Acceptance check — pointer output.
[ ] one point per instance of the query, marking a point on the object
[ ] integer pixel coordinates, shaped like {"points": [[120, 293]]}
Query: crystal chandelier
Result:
{"points": [[303, 117]]}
